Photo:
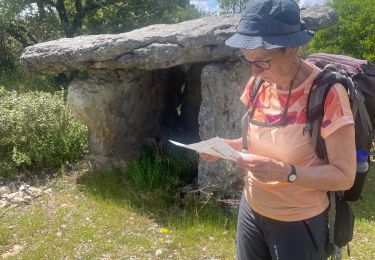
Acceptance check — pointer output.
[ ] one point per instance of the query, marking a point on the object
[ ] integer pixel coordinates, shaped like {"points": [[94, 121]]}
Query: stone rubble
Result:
{"points": [[19, 193]]}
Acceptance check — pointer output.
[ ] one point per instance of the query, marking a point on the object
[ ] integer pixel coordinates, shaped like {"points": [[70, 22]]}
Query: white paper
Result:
{"points": [[216, 147]]}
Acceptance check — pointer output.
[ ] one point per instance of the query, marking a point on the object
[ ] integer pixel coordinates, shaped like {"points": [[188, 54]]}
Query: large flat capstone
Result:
{"points": [[152, 47]]}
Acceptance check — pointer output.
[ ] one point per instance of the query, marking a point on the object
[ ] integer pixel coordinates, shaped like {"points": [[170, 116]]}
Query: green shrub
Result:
{"points": [[353, 35], [16, 80], [37, 131], [155, 177], [156, 169]]}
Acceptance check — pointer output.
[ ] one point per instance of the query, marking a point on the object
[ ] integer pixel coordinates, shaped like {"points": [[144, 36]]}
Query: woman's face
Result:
{"points": [[271, 65]]}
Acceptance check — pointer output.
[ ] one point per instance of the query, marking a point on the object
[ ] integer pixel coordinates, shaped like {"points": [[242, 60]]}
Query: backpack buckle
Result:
{"points": [[306, 130]]}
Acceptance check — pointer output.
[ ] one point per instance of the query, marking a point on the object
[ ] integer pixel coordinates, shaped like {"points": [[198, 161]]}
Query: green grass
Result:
{"points": [[107, 215], [23, 82], [73, 224], [363, 244]]}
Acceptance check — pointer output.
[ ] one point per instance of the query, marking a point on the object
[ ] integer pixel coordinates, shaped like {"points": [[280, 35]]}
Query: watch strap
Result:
{"points": [[293, 174]]}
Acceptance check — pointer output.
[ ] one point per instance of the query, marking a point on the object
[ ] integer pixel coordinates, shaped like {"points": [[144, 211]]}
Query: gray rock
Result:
{"points": [[4, 190], [18, 200], [31, 192], [4, 203], [11, 196], [220, 115], [14, 186], [48, 191], [119, 107], [152, 47], [18, 193], [319, 17]]}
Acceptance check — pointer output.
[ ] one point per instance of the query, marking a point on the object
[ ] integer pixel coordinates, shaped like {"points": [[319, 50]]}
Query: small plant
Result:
{"points": [[23, 83], [157, 170], [37, 131], [152, 180]]}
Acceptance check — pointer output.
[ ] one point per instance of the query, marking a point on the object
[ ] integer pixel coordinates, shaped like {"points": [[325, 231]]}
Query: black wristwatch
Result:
{"points": [[292, 177]]}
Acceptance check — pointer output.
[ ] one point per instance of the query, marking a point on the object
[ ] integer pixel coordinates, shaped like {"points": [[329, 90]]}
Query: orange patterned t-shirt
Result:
{"points": [[290, 144]]}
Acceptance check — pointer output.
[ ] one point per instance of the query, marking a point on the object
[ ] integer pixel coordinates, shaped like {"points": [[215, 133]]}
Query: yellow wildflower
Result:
{"points": [[164, 230]]}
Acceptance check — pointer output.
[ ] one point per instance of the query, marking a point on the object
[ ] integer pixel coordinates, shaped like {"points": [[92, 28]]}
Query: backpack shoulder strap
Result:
{"points": [[258, 82], [315, 110], [315, 113]]}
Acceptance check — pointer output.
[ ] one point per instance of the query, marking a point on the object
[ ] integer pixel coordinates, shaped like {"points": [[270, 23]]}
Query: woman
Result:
{"points": [[283, 210]]}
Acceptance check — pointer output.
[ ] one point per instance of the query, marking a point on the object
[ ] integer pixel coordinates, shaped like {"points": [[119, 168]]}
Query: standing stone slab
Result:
{"points": [[120, 108], [220, 115]]}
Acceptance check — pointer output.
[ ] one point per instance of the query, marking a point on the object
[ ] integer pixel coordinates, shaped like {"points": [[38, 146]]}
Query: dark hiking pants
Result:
{"points": [[261, 238]]}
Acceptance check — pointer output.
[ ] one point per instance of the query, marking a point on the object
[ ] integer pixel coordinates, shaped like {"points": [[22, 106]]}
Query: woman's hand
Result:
{"points": [[234, 143], [209, 158], [266, 169]]}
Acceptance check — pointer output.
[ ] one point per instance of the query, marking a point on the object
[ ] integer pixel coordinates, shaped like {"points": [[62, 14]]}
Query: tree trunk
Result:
{"points": [[61, 10], [41, 11]]}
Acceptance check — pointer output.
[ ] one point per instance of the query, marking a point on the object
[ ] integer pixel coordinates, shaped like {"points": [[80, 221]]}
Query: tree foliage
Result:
{"points": [[26, 22], [353, 35], [232, 6], [235, 6]]}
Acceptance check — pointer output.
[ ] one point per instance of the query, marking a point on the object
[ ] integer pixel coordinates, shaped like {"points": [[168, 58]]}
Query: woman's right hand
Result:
{"points": [[209, 158]]}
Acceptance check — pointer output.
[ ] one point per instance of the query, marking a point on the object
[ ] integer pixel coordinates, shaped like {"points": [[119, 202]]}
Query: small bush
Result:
{"points": [[37, 131], [353, 35], [21, 82], [152, 180], [156, 169]]}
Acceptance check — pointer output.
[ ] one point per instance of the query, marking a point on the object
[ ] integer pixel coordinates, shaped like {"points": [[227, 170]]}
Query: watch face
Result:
{"points": [[292, 177]]}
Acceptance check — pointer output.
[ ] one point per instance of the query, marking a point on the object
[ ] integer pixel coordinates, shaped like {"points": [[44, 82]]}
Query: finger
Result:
{"points": [[254, 166], [208, 157], [261, 176], [262, 168], [245, 165], [258, 176]]}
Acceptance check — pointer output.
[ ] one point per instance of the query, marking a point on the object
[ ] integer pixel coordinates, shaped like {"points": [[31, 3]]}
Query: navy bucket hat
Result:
{"points": [[270, 24]]}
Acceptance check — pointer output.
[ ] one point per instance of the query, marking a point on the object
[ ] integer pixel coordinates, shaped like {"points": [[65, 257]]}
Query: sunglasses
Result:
{"points": [[260, 64]]}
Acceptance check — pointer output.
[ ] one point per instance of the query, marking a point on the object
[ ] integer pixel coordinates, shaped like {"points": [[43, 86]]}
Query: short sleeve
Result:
{"points": [[337, 111], [245, 97]]}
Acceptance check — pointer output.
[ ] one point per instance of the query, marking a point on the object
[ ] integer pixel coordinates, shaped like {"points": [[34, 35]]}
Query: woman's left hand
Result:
{"points": [[266, 169]]}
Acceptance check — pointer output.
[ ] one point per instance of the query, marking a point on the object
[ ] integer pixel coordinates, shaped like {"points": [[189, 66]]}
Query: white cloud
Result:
{"points": [[206, 5]]}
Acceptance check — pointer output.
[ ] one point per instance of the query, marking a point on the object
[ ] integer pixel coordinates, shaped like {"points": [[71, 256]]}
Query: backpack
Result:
{"points": [[358, 78]]}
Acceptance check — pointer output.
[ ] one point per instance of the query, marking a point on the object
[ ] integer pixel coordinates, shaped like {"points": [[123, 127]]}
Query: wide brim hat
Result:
{"points": [[270, 24]]}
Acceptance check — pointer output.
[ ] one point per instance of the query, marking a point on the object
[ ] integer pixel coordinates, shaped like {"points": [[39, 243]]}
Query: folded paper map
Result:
{"points": [[216, 147]]}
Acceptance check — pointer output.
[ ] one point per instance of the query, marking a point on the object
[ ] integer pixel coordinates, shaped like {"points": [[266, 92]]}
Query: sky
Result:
{"points": [[206, 5], [213, 6]]}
